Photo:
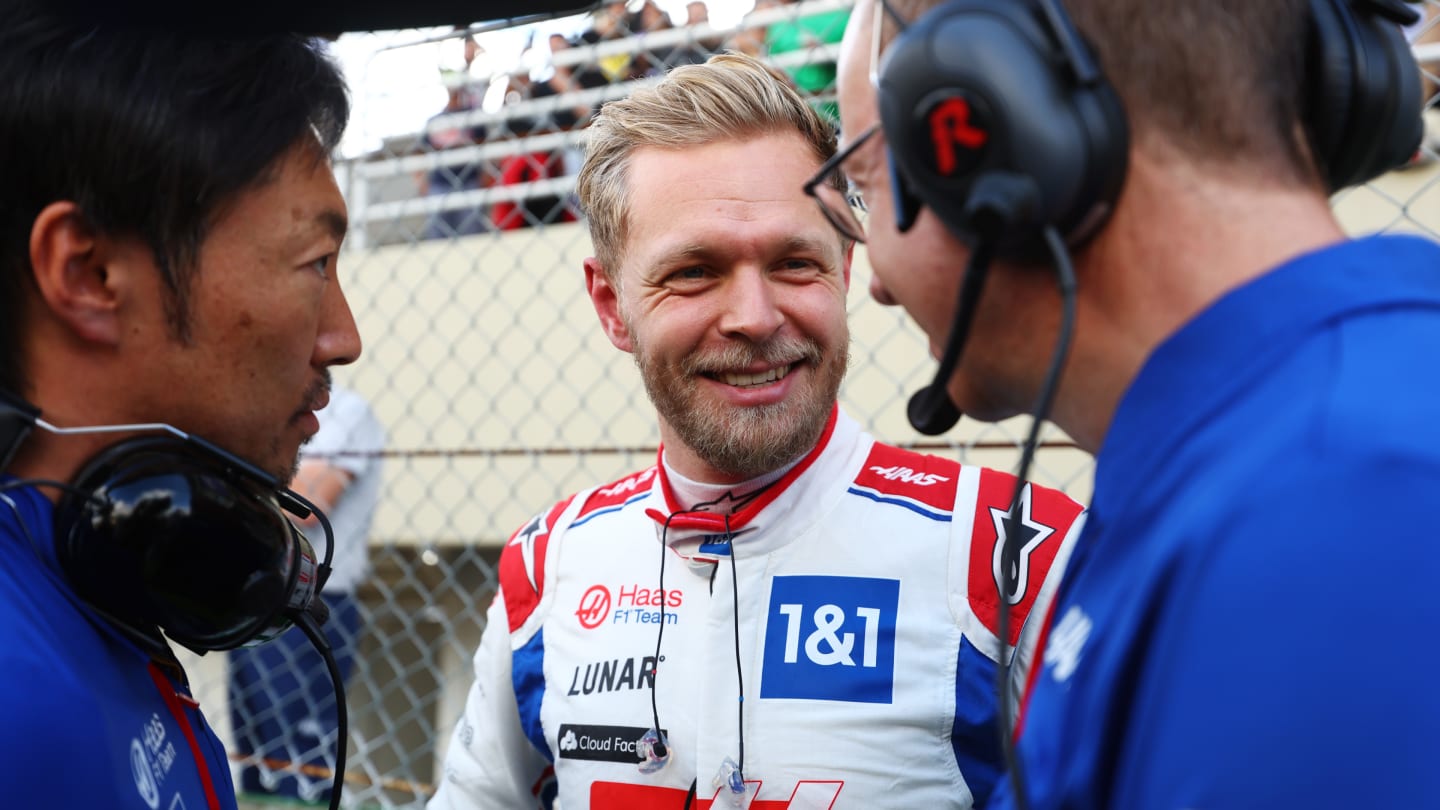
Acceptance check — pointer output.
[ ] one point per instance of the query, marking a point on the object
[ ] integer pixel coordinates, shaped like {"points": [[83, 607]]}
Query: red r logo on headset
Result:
{"points": [[954, 132]]}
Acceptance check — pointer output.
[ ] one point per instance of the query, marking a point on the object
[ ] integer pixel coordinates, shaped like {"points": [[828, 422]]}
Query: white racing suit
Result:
{"points": [[865, 632]]}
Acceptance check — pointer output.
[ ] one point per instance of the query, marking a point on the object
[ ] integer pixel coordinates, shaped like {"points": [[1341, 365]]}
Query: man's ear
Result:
{"points": [[69, 265], [606, 298]]}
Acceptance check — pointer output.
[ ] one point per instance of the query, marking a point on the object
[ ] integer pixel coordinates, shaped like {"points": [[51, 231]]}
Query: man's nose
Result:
{"points": [[752, 307], [338, 341]]}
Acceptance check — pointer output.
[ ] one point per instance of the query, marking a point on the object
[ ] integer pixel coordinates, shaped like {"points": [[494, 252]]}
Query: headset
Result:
{"points": [[1000, 119], [983, 87], [166, 530], [1001, 88], [980, 96], [173, 532]]}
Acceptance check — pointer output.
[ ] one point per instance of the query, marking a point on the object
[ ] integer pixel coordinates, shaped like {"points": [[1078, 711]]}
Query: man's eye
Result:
{"points": [[689, 274], [322, 265]]}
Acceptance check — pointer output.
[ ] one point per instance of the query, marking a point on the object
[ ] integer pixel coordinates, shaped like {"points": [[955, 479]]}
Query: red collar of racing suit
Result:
{"points": [[686, 531]]}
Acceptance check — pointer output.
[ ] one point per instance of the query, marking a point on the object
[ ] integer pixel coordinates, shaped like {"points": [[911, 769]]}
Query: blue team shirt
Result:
{"points": [[83, 723], [1250, 618]]}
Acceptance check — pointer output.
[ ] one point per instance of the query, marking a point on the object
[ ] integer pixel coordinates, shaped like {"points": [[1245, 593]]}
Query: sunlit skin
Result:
{"points": [[267, 318], [728, 270]]}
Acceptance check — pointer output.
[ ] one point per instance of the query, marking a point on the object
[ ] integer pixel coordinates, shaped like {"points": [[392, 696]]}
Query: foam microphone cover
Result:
{"points": [[931, 410]]}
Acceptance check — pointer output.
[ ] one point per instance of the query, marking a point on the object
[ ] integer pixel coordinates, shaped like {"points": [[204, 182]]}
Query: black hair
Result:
{"points": [[152, 133]]}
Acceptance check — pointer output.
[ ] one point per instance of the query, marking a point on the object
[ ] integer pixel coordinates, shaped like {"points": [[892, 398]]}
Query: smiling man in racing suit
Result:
{"points": [[781, 612]]}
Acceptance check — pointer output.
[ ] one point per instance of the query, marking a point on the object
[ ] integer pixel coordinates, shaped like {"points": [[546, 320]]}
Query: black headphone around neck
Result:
{"points": [[1008, 88], [170, 531]]}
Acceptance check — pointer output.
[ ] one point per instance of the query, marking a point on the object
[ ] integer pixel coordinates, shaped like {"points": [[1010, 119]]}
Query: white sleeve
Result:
{"points": [[490, 762]]}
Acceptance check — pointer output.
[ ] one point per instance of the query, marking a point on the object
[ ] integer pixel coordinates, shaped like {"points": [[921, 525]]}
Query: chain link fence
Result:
{"points": [[497, 388]]}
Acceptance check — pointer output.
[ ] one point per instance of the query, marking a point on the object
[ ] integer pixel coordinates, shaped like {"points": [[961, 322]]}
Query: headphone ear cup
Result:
{"points": [[1363, 111], [160, 534], [976, 87]]}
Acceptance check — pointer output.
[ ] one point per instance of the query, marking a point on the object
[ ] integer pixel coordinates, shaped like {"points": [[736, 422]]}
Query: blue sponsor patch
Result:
{"points": [[831, 638]]}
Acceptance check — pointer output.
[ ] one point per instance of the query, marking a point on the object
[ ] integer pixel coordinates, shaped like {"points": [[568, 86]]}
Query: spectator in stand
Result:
{"points": [[533, 166], [564, 78], [815, 76], [441, 134], [651, 17], [611, 22], [588, 73], [696, 51], [652, 60], [751, 40]]}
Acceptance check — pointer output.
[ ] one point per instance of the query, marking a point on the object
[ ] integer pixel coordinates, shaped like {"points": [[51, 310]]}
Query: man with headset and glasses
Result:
{"points": [[169, 239], [781, 611], [1247, 618]]}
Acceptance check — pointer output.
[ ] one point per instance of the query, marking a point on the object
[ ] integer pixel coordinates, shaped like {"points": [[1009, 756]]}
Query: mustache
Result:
{"points": [[313, 393], [778, 351]]}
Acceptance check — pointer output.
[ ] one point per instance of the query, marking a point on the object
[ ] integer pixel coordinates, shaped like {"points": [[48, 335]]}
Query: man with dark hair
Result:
{"points": [[168, 248], [1245, 621]]}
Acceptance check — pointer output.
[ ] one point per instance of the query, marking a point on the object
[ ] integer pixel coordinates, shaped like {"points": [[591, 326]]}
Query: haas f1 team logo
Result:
{"points": [[633, 603], [959, 130], [594, 607]]}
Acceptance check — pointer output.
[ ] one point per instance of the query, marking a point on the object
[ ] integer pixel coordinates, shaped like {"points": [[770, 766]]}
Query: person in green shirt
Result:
{"points": [[814, 77]]}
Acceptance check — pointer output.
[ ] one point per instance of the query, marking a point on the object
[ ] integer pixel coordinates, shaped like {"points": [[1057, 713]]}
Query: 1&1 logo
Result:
{"points": [[594, 607], [831, 638]]}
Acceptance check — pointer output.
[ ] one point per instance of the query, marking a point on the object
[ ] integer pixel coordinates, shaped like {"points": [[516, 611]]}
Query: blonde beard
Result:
{"points": [[746, 442]]}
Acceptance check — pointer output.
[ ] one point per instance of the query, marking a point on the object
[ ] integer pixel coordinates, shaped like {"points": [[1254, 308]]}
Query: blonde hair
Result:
{"points": [[731, 96]]}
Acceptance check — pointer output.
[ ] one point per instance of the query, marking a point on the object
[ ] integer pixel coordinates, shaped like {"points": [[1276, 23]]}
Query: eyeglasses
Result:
{"points": [[843, 208]]}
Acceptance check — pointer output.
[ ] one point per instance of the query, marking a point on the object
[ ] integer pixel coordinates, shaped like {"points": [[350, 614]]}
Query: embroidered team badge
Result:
{"points": [[525, 539], [1024, 547], [522, 565], [1016, 541], [922, 484]]}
